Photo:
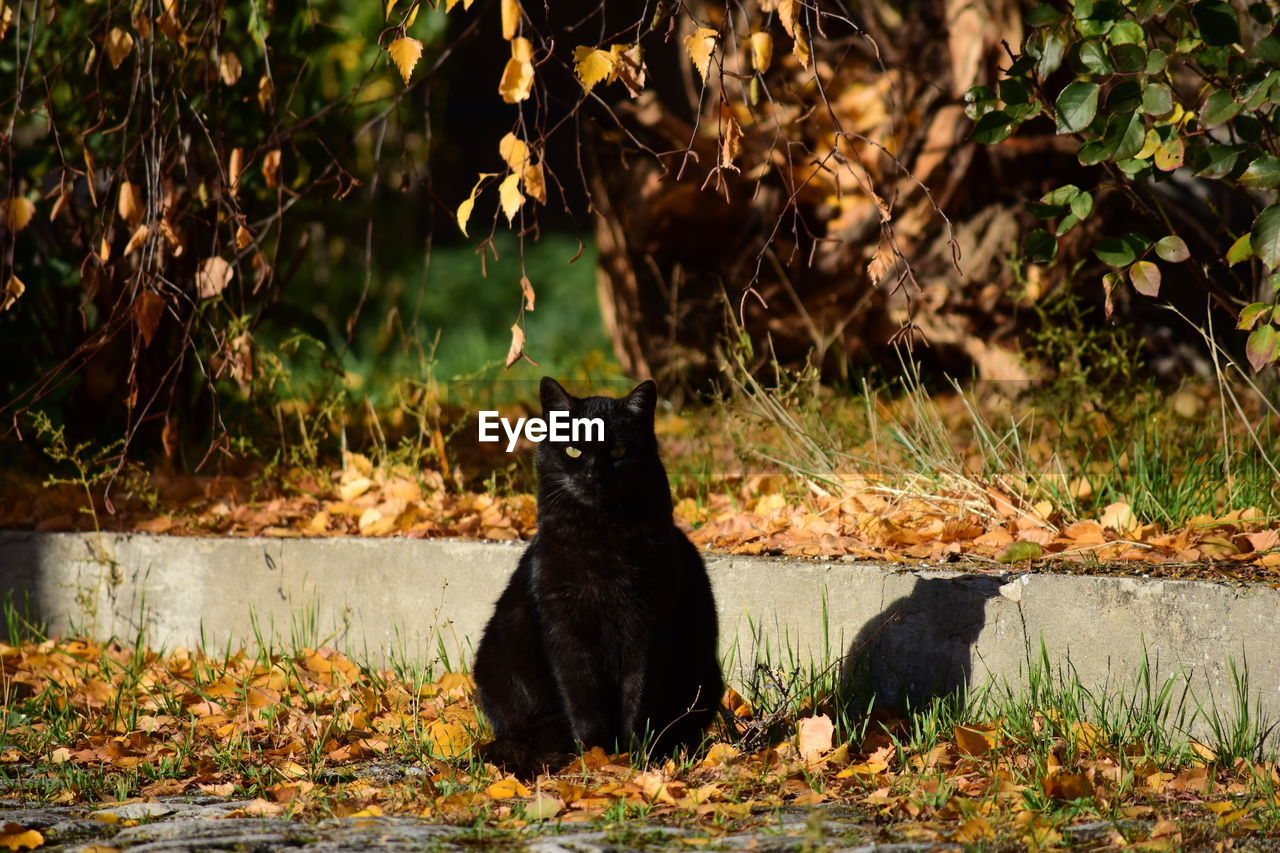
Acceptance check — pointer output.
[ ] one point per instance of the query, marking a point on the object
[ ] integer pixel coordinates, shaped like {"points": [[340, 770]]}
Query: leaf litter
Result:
{"points": [[304, 734]]}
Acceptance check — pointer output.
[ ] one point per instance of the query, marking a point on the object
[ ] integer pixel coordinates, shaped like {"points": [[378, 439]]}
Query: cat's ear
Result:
{"points": [[554, 397], [643, 399]]}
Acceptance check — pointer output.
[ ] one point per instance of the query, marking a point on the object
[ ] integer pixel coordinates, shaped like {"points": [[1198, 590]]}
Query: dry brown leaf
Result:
{"points": [[229, 68], [535, 183], [136, 240], [266, 91], [213, 277], [813, 736], [730, 140], [148, 309], [517, 345], [13, 290], [526, 288], [271, 168], [629, 67]]}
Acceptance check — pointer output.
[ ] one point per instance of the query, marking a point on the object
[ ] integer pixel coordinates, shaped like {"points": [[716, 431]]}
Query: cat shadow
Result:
{"points": [[919, 647]]}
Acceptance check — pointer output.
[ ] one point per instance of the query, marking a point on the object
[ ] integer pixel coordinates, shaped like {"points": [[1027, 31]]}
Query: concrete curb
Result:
{"points": [[916, 632]]}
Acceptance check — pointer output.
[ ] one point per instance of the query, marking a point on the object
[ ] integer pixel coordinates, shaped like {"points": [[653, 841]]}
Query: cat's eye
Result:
{"points": [[618, 452], [572, 452]]}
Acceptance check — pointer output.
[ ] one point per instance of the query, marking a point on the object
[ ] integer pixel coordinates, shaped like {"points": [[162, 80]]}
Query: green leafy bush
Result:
{"points": [[1150, 90]]}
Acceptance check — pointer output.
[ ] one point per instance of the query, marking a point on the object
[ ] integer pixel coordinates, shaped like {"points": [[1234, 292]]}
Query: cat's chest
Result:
{"points": [[604, 571]]}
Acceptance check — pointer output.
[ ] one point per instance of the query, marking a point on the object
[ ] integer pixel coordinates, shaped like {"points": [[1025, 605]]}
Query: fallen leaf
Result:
{"points": [[975, 740], [813, 736], [17, 837], [1019, 552]]}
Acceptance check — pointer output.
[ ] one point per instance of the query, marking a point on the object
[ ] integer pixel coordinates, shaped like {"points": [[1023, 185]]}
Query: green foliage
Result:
{"points": [[1149, 87]]}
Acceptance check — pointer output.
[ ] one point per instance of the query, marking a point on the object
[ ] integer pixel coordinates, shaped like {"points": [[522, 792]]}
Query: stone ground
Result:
{"points": [[191, 824]]}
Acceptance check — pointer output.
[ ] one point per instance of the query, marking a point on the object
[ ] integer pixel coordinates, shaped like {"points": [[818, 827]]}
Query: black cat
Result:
{"points": [[606, 633]]}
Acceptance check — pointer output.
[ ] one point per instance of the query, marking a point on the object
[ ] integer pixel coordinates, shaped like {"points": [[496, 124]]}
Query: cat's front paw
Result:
{"points": [[520, 759]]}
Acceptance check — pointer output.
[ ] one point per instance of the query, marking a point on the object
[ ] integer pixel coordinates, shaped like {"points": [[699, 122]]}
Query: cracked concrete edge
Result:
{"points": [[911, 632]]}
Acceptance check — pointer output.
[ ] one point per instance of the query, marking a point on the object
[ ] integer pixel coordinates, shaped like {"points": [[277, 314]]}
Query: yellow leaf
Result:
{"points": [[788, 11], [17, 213], [266, 90], [213, 277], [592, 65], [243, 237], [405, 53], [813, 736], [229, 68], [701, 45], [271, 167], [449, 4], [535, 183], [447, 740], [119, 44], [761, 51], [505, 789], [509, 195], [802, 51], [517, 345], [139, 237], [129, 205], [1119, 517], [976, 739], [510, 18], [14, 289], [517, 76], [514, 151], [17, 837], [6, 18], [368, 811], [721, 753], [464, 209]]}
